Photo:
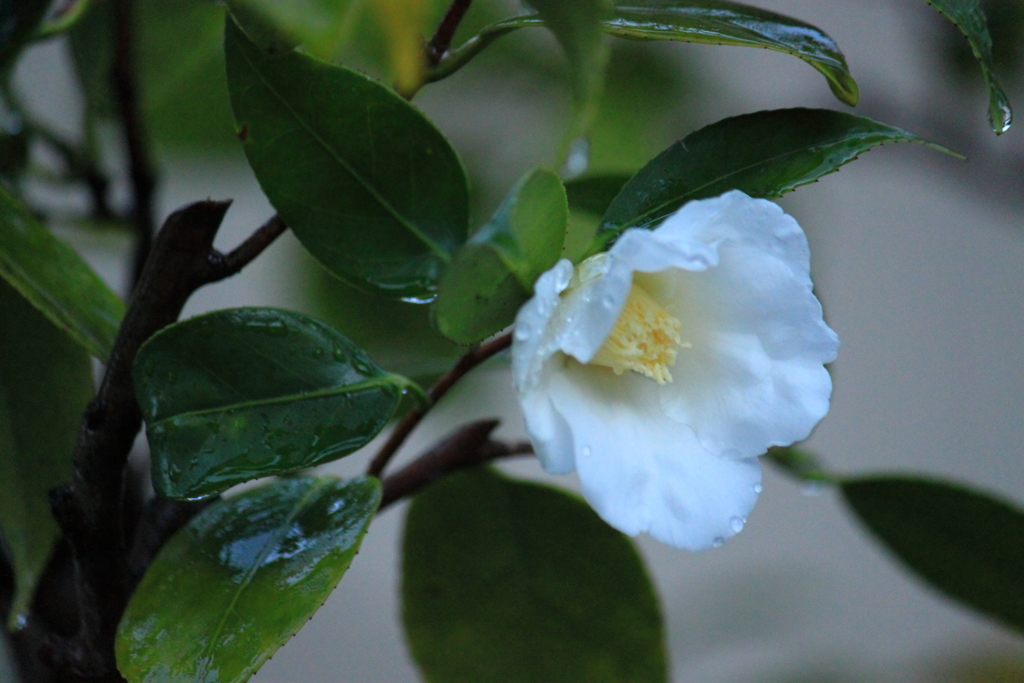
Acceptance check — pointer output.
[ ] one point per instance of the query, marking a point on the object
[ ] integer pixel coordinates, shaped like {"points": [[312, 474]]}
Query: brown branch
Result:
{"points": [[140, 171], [467, 447], [88, 509], [226, 265], [440, 388], [442, 38]]}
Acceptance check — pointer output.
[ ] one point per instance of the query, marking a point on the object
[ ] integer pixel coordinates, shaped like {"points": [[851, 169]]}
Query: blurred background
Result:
{"points": [[917, 257]]}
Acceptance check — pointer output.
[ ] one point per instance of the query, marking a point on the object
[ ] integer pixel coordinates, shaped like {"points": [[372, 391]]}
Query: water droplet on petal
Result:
{"points": [[736, 524], [717, 543], [608, 301], [585, 451], [758, 488], [522, 333]]}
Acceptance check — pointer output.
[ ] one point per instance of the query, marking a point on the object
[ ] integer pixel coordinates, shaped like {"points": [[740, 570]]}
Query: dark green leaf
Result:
{"points": [[367, 183], [236, 583], [967, 16], [765, 154], [717, 22], [594, 194], [967, 544], [493, 274], [250, 392], [182, 86], [45, 384], [56, 280], [18, 22], [509, 581]]}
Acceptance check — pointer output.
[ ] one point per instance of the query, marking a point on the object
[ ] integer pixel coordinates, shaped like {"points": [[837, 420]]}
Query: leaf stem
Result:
{"points": [[453, 60], [467, 447], [442, 38], [469, 361]]}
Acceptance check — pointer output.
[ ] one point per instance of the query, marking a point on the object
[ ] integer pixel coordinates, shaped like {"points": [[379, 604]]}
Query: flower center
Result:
{"points": [[645, 339]]}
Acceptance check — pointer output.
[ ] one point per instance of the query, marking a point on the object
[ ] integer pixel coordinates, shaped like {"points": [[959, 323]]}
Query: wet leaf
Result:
{"points": [[512, 581], [236, 583], [367, 183], [493, 274], [56, 280], [764, 154], [249, 392], [716, 22], [968, 545], [967, 16], [45, 384]]}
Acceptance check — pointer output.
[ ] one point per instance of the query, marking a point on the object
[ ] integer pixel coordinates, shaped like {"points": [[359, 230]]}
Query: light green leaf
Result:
{"points": [[245, 574], [249, 392], [577, 26], [510, 581], [45, 384], [56, 280], [764, 154], [967, 16], [366, 182], [968, 545], [493, 274], [320, 26]]}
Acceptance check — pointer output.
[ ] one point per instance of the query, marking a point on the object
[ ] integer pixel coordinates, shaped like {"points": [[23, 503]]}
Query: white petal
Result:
{"points": [[643, 472]]}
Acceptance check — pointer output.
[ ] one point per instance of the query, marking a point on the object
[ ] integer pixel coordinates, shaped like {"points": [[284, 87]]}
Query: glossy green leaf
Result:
{"points": [[366, 182], [967, 544], [493, 274], [713, 22], [18, 22], [577, 26], [765, 154], [511, 581], [45, 384], [593, 194], [967, 16], [249, 392], [182, 87], [241, 578], [717, 22], [56, 280]]}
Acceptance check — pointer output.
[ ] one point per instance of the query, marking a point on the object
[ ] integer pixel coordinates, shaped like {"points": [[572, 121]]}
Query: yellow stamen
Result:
{"points": [[645, 339]]}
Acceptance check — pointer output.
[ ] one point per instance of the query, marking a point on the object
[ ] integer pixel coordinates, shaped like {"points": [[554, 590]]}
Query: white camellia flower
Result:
{"points": [[662, 369]]}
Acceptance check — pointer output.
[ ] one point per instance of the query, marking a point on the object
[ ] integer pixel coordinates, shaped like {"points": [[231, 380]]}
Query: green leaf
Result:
{"points": [[577, 26], [241, 578], [493, 274], [367, 183], [967, 16], [593, 194], [967, 544], [45, 384], [764, 154], [716, 22], [320, 26], [249, 392], [182, 86], [56, 280], [18, 22], [510, 581]]}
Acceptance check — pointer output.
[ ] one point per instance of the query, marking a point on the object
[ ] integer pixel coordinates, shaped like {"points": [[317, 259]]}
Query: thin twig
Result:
{"points": [[442, 38], [469, 361], [88, 509], [140, 170], [226, 265], [471, 445]]}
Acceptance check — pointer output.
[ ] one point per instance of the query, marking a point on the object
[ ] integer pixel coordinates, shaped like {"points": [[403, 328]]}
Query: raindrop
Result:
{"points": [[318, 352], [276, 328], [736, 524], [340, 355], [608, 301], [758, 488], [585, 451], [813, 488], [522, 334], [20, 622], [1000, 116], [577, 159], [717, 543]]}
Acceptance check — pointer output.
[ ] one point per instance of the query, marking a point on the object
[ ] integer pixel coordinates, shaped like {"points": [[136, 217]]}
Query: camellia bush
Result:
{"points": [[664, 336]]}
